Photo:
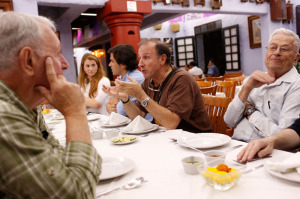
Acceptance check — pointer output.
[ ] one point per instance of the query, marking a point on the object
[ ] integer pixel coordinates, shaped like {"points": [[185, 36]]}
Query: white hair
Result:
{"points": [[289, 33], [18, 30]]}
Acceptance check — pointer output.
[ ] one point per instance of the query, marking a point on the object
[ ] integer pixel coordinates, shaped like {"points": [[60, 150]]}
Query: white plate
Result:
{"points": [[93, 117], [203, 140], [155, 127], [58, 117], [116, 125], [291, 176], [115, 166], [121, 143]]}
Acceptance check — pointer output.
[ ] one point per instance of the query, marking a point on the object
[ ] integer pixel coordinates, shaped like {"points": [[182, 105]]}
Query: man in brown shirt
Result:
{"points": [[171, 96]]}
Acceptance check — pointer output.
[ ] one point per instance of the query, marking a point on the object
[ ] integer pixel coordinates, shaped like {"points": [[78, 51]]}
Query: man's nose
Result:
{"points": [[64, 64]]}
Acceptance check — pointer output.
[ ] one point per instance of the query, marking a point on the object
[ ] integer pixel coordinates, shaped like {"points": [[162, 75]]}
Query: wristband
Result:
{"points": [[126, 101]]}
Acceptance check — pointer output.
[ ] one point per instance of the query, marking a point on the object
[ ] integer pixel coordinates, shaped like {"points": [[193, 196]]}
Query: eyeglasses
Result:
{"points": [[283, 50]]}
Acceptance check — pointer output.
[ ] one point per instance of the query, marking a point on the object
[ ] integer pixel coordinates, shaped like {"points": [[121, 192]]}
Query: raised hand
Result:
{"points": [[111, 106], [132, 88], [259, 78]]}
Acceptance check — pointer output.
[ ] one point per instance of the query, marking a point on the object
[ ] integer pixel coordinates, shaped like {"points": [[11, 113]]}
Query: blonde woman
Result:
{"points": [[91, 80]]}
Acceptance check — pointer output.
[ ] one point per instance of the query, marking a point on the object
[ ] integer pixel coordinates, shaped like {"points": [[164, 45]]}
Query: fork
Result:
{"points": [[254, 168], [186, 145]]}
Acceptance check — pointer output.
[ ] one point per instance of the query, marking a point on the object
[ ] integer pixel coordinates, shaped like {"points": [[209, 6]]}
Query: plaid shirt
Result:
{"points": [[35, 167]]}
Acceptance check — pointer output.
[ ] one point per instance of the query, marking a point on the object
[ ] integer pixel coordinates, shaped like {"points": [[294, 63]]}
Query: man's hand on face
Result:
{"points": [[66, 97]]}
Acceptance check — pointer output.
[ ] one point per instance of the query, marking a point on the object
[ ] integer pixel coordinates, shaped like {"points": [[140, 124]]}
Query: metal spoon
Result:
{"points": [[130, 185]]}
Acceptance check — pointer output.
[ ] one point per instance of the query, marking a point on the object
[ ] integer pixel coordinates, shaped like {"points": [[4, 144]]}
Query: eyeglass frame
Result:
{"points": [[285, 51]]}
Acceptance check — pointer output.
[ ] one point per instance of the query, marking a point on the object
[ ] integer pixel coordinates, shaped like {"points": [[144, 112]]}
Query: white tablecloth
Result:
{"points": [[158, 160]]}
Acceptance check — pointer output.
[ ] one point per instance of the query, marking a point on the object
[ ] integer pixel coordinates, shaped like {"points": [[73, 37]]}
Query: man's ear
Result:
{"points": [[296, 60], [26, 60], [163, 58], [123, 66]]}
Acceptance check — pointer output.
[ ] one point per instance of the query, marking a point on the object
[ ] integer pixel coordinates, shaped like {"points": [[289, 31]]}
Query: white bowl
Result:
{"points": [[214, 157], [192, 164], [96, 135], [111, 133]]}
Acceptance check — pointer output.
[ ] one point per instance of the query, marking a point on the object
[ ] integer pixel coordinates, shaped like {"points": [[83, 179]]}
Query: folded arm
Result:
{"points": [[285, 140]]}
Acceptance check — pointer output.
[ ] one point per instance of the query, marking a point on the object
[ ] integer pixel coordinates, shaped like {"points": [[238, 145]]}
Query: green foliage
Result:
{"points": [[298, 66]]}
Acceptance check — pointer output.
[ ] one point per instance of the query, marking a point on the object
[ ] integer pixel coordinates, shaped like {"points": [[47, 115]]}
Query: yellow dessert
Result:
{"points": [[45, 111], [221, 174]]}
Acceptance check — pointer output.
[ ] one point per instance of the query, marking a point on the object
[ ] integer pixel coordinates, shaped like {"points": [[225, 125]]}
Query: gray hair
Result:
{"points": [[289, 33], [18, 30]]}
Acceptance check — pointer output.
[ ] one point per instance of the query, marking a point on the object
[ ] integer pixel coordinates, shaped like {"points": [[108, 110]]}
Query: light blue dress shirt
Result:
{"points": [[138, 76]]}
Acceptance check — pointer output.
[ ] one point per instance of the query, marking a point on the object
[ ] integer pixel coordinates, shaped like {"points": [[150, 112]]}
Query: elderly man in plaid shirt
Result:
{"points": [[32, 163]]}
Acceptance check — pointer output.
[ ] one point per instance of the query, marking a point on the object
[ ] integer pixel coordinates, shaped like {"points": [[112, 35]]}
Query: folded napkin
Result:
{"points": [[287, 165], [116, 118], [139, 124]]}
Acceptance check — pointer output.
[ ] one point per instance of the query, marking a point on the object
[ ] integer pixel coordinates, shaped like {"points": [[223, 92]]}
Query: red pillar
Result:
{"points": [[124, 20]]}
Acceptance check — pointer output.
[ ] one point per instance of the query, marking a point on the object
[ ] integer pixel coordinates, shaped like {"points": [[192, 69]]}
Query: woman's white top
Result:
{"points": [[101, 97]]}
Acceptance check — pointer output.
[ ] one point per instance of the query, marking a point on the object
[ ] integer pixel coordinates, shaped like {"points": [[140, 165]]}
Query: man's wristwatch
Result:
{"points": [[249, 111], [144, 102]]}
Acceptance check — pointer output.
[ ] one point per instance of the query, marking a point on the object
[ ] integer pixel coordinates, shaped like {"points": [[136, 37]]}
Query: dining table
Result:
{"points": [[156, 156]]}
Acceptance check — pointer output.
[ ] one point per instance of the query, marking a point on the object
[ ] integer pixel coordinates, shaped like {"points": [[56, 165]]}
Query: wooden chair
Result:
{"points": [[198, 77], [237, 80], [209, 90], [201, 80], [233, 74], [214, 79], [45, 105], [226, 87], [216, 108], [203, 84]]}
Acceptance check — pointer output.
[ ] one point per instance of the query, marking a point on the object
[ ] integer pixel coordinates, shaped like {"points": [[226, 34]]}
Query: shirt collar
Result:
{"points": [[290, 76], [125, 76], [7, 94]]}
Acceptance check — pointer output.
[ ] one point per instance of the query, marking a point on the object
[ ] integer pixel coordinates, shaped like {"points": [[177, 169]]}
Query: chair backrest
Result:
{"points": [[198, 77], [209, 90], [216, 108], [45, 105], [237, 80], [214, 79], [226, 87], [233, 74], [203, 84]]}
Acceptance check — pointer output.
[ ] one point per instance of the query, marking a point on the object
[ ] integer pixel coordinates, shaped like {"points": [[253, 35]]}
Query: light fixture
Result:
{"points": [[76, 28], [88, 14]]}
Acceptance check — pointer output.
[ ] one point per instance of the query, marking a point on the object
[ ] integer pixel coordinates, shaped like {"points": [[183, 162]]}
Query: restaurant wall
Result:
{"points": [[63, 26], [251, 59], [248, 64]]}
